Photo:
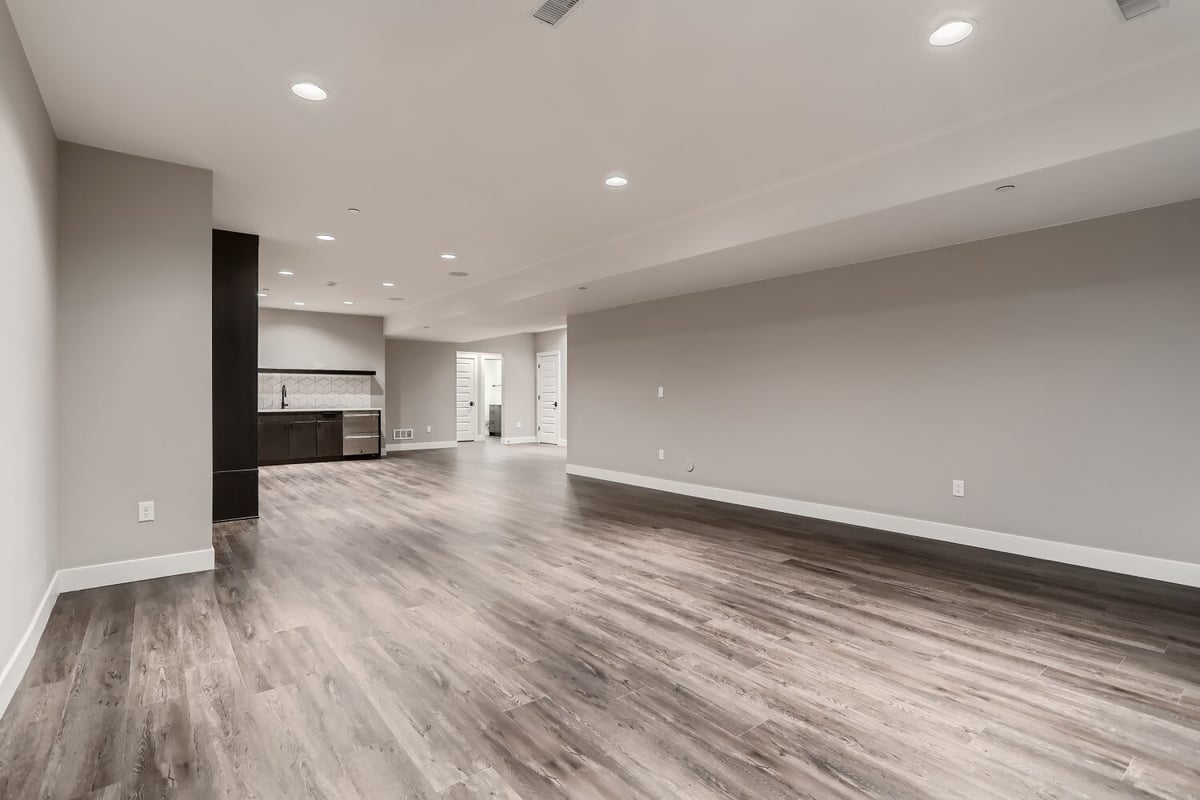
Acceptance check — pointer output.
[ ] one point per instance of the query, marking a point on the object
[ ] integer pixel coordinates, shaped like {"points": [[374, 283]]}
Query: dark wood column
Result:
{"points": [[235, 375]]}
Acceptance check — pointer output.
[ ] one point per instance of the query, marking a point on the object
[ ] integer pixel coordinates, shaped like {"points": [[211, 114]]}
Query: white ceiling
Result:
{"points": [[761, 137]]}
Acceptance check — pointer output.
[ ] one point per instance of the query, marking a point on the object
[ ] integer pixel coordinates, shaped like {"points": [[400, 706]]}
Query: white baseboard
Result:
{"points": [[137, 569], [519, 440], [14, 670], [91, 577], [1161, 569], [405, 446]]}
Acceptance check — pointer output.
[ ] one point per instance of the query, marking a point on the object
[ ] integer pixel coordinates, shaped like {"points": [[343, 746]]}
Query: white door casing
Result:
{"points": [[549, 382], [466, 408]]}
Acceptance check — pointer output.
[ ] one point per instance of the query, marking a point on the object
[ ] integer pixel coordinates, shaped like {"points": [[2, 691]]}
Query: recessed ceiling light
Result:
{"points": [[298, 303], [952, 32], [309, 91], [396, 298], [1007, 187], [388, 284], [459, 274], [583, 288], [326, 237], [352, 210], [448, 256], [286, 272], [426, 327], [616, 181], [347, 302]]}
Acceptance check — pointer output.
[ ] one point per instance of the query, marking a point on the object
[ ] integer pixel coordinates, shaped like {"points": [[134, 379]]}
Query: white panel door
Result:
{"points": [[549, 380], [467, 411]]}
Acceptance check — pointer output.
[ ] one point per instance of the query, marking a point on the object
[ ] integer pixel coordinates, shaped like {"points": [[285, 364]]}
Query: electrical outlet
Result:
{"points": [[959, 488], [429, 429], [146, 511], [662, 455], [518, 426], [660, 391]]}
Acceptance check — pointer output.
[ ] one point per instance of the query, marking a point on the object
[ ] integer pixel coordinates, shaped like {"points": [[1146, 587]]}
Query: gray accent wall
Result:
{"points": [[1057, 372], [422, 390], [134, 330], [27, 253], [311, 340]]}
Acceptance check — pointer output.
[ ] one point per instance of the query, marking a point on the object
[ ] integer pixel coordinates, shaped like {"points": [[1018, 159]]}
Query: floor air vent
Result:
{"points": [[1132, 8], [552, 11]]}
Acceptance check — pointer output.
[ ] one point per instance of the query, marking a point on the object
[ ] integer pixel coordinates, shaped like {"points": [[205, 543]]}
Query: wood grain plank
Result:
{"points": [[473, 623]]}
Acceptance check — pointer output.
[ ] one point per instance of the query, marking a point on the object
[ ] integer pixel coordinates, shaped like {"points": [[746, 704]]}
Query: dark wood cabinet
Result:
{"points": [[329, 438], [273, 441], [295, 437], [302, 440]]}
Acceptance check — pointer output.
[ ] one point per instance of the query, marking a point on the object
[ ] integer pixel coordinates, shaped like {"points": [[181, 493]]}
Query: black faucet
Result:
{"points": [[283, 398]]}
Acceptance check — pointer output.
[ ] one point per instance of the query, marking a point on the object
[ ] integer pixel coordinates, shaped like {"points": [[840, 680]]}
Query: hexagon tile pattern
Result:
{"points": [[314, 391]]}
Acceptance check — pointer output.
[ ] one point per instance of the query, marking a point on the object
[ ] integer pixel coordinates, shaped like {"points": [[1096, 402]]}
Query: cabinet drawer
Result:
{"points": [[360, 445], [355, 424]]}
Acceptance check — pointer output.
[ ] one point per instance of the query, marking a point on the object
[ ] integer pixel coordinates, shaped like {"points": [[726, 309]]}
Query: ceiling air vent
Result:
{"points": [[1133, 8], [552, 11]]}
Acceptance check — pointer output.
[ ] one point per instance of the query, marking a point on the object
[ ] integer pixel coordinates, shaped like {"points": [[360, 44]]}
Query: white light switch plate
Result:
{"points": [[959, 488], [146, 511], [662, 454], [660, 391]]}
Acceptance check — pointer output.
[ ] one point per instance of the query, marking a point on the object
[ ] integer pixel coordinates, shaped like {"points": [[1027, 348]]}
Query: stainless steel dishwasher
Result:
{"points": [[360, 433]]}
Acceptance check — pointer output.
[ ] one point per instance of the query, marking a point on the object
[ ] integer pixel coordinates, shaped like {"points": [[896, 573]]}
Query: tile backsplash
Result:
{"points": [[314, 391]]}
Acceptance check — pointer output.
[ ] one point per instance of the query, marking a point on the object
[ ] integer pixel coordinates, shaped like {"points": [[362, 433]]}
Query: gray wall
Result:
{"points": [[518, 378], [545, 342], [422, 385], [134, 347], [422, 389], [309, 340], [1057, 372], [27, 211]]}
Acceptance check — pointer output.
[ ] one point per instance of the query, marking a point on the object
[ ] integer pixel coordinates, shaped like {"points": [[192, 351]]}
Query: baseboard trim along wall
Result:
{"points": [[395, 448], [137, 569], [91, 577], [1162, 569], [14, 670], [519, 440]]}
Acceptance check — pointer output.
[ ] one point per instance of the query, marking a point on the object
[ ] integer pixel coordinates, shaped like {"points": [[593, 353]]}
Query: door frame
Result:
{"points": [[537, 395], [480, 419], [481, 385]]}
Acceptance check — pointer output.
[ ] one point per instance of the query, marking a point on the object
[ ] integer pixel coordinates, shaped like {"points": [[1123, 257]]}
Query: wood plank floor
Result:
{"points": [[473, 623]]}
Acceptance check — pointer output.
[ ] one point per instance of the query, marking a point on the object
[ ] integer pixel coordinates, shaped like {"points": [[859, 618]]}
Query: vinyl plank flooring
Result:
{"points": [[473, 623], [27, 737]]}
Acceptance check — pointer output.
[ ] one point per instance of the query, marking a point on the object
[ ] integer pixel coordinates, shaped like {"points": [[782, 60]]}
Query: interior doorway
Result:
{"points": [[479, 396], [493, 394]]}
